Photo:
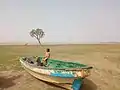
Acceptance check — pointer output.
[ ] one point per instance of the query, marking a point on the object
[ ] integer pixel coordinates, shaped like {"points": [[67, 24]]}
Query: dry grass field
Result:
{"points": [[105, 58]]}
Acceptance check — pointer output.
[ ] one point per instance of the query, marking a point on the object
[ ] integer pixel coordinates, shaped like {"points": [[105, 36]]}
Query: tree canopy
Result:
{"points": [[38, 34]]}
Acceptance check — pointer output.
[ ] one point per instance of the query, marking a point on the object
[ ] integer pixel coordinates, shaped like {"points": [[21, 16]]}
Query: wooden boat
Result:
{"points": [[66, 74]]}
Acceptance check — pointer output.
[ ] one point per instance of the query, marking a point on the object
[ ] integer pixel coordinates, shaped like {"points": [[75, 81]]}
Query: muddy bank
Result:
{"points": [[21, 80]]}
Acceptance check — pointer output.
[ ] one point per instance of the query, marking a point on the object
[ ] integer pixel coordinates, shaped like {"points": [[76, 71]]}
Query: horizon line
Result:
{"points": [[54, 43]]}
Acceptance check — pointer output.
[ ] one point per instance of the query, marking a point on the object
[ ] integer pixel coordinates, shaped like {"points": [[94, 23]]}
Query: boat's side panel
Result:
{"points": [[67, 78], [49, 78], [55, 73], [61, 74], [58, 73]]}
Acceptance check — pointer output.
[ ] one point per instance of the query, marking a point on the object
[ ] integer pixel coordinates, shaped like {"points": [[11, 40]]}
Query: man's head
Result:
{"points": [[47, 50]]}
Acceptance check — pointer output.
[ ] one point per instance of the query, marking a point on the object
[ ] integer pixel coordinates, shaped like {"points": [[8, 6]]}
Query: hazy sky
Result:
{"points": [[61, 20]]}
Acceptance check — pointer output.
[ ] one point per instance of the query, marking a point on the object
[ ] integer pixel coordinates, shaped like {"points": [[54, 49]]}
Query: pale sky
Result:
{"points": [[61, 20]]}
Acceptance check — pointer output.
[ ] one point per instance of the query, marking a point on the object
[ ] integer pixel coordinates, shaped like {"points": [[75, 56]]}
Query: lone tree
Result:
{"points": [[38, 34]]}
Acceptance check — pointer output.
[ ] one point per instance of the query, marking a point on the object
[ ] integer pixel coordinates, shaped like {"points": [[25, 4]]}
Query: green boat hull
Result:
{"points": [[58, 71]]}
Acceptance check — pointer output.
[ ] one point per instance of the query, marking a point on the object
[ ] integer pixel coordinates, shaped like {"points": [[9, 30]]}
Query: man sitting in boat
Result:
{"points": [[43, 62]]}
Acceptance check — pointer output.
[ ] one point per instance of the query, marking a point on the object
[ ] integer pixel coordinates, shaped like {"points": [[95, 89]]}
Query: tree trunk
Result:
{"points": [[39, 42]]}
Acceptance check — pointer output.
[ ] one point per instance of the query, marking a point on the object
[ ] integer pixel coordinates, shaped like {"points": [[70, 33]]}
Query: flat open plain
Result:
{"points": [[105, 58]]}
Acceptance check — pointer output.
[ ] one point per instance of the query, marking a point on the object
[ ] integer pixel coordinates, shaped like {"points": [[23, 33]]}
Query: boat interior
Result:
{"points": [[55, 64]]}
